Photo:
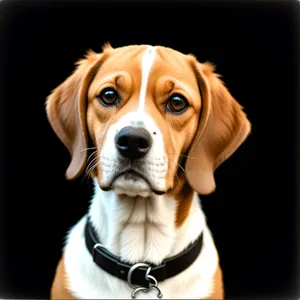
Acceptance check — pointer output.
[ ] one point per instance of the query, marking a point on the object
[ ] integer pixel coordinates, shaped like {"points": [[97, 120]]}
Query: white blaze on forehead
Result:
{"points": [[147, 62]]}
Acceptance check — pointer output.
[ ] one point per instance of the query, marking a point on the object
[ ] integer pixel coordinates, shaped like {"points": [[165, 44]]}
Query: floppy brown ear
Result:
{"points": [[223, 126], [66, 111]]}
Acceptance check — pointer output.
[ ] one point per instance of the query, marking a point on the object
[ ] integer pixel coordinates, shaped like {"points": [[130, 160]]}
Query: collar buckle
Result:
{"points": [[153, 284]]}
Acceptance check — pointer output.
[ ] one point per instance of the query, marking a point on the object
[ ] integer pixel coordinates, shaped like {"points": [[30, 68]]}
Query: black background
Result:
{"points": [[252, 214]]}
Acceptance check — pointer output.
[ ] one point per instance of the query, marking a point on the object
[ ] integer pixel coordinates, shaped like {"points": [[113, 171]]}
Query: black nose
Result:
{"points": [[133, 142]]}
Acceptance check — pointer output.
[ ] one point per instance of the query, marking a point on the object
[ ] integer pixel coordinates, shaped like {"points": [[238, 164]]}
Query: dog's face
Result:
{"points": [[143, 110], [148, 112]]}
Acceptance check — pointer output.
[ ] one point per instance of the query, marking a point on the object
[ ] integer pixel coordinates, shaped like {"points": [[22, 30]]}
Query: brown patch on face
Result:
{"points": [[183, 195], [122, 73]]}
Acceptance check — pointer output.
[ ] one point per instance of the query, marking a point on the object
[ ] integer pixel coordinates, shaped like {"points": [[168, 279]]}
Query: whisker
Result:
{"points": [[89, 167], [86, 149], [90, 156], [175, 175], [177, 164], [88, 173], [91, 162], [93, 168], [175, 172], [86, 176]]}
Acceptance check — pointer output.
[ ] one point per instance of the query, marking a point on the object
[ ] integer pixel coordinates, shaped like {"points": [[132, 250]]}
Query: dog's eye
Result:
{"points": [[109, 97], [177, 104]]}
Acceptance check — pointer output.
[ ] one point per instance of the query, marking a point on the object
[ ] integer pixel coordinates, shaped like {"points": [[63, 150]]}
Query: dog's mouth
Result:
{"points": [[132, 174], [132, 183]]}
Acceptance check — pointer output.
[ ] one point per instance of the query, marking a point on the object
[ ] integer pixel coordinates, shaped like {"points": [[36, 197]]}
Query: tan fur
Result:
{"points": [[183, 195], [59, 289], [218, 290]]}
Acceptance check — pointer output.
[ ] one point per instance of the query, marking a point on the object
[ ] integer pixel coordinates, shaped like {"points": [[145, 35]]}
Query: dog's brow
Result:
{"points": [[169, 85], [119, 81]]}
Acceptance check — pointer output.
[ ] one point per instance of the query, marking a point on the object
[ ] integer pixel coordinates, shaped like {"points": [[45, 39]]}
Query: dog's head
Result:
{"points": [[148, 112]]}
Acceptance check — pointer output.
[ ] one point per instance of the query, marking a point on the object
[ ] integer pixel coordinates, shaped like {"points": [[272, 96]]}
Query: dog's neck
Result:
{"points": [[143, 229]]}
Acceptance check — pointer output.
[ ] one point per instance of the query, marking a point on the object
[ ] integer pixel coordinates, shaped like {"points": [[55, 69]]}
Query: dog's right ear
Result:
{"points": [[222, 128], [66, 110]]}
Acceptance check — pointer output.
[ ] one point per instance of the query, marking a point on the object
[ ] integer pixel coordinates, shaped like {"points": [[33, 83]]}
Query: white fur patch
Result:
{"points": [[139, 230], [147, 62]]}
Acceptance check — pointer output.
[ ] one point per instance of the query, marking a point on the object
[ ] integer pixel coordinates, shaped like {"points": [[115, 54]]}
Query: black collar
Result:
{"points": [[137, 274]]}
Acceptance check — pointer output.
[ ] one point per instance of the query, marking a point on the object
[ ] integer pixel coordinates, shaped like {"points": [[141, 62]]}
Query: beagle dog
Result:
{"points": [[149, 125]]}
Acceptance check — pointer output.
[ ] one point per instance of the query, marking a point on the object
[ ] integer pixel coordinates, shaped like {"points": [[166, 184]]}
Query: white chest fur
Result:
{"points": [[139, 230]]}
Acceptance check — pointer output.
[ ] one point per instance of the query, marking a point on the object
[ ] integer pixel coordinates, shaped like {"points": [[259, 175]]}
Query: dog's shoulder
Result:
{"points": [[59, 289], [218, 289]]}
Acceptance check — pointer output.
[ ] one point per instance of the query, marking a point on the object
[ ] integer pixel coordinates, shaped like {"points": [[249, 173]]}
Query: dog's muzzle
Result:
{"points": [[133, 142], [135, 164]]}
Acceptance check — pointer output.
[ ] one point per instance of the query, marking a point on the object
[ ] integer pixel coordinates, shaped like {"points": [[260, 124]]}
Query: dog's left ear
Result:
{"points": [[222, 127], [66, 111]]}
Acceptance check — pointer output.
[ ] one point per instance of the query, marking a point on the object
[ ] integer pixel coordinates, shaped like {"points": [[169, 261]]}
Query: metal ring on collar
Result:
{"points": [[134, 267], [95, 247], [150, 277]]}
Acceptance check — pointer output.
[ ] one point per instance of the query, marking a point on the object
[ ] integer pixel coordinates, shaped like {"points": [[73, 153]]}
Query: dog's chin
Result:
{"points": [[132, 185]]}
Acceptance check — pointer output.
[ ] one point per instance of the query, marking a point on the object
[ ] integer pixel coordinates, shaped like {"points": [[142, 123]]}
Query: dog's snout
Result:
{"points": [[133, 142]]}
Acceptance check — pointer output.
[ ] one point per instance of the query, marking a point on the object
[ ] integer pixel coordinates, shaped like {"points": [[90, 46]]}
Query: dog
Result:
{"points": [[156, 123]]}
